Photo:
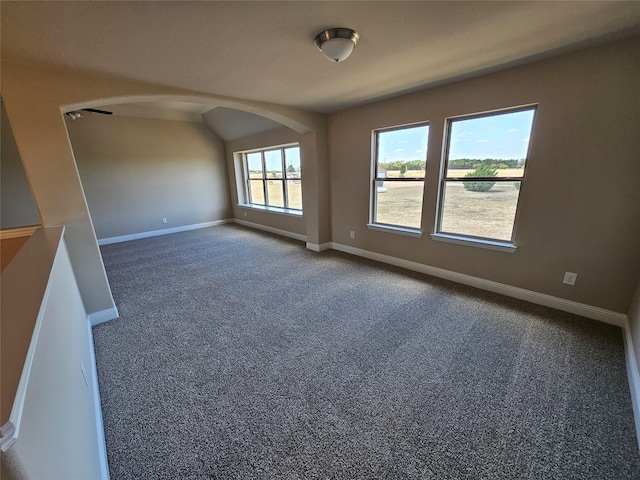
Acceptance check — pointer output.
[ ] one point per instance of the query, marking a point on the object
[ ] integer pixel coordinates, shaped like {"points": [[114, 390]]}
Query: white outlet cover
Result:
{"points": [[570, 278]]}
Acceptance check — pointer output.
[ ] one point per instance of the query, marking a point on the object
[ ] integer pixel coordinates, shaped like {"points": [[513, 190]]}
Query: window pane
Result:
{"points": [[292, 162], [488, 211], [273, 162], [294, 193], [493, 143], [257, 192], [399, 203], [275, 192], [402, 152], [254, 164], [268, 172]]}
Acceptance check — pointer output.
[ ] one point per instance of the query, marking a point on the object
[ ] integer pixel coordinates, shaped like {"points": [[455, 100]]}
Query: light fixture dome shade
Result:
{"points": [[337, 49], [337, 43]]}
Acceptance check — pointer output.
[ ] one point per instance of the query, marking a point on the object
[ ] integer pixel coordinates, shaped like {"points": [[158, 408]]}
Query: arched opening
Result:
{"points": [[155, 165], [36, 99]]}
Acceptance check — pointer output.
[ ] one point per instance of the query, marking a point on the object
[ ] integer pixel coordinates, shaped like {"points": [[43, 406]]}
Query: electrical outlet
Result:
{"points": [[352, 234], [164, 219], [570, 278], [245, 214]]}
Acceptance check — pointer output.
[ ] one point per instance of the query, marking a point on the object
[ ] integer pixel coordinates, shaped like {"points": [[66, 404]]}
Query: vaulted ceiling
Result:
{"points": [[264, 50]]}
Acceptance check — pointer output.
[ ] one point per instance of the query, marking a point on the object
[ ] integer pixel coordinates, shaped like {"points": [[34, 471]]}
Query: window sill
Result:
{"points": [[410, 232], [278, 210], [475, 242]]}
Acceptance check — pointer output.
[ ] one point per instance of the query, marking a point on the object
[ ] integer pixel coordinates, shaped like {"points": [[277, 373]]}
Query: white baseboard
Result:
{"points": [[164, 231], [97, 407], [319, 247], [276, 231], [589, 311], [102, 316], [633, 376]]}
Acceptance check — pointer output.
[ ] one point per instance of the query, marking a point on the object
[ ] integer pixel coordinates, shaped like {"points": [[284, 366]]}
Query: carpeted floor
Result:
{"points": [[240, 355]]}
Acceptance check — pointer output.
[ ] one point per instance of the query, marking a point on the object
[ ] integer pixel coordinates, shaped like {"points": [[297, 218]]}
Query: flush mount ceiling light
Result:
{"points": [[337, 43]]}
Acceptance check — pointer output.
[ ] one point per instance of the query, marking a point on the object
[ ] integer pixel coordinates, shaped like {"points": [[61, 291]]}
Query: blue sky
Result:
{"points": [[504, 136], [404, 144], [273, 159]]}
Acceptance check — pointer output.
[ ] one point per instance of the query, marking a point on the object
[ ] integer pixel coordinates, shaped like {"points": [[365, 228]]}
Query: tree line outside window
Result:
{"points": [[482, 174]]}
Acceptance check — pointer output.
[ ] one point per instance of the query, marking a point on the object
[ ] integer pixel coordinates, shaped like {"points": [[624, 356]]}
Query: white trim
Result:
{"points": [[18, 232], [269, 147], [633, 375], [475, 242], [267, 208], [102, 316], [319, 247], [97, 408], [589, 311], [164, 231], [410, 232], [277, 231]]}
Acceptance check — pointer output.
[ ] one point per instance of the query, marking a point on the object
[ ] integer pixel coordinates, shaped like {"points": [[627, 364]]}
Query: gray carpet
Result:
{"points": [[240, 355]]}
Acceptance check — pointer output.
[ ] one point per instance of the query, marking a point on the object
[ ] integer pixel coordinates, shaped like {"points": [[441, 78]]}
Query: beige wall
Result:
{"points": [[580, 207], [289, 223], [16, 203], [135, 171], [316, 187], [35, 98]]}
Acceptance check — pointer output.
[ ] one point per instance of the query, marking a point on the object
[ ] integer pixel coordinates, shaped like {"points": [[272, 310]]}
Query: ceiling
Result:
{"points": [[264, 51], [227, 123]]}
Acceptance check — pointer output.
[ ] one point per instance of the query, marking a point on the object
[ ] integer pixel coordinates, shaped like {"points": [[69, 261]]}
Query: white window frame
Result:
{"points": [[284, 179], [375, 179], [471, 240]]}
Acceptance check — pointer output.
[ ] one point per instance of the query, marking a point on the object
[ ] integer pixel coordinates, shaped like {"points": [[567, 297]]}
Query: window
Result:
{"points": [[398, 180], [483, 174], [273, 177]]}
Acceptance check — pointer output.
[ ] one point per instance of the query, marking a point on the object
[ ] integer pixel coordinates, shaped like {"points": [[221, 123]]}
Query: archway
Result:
{"points": [[36, 99]]}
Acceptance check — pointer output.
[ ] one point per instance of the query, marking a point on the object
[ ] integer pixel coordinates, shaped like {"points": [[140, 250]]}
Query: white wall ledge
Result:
{"points": [[475, 242], [277, 210], [409, 232]]}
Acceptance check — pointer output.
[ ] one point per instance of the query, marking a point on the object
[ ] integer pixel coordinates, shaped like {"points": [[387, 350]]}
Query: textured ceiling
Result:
{"points": [[264, 51]]}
